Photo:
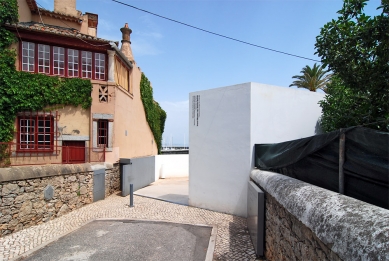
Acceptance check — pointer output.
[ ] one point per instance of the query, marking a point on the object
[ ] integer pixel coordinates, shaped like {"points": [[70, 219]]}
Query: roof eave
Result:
{"points": [[32, 5], [60, 16], [124, 58]]}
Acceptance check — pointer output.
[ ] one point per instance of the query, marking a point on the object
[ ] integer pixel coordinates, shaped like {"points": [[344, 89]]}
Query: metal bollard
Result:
{"points": [[131, 195]]}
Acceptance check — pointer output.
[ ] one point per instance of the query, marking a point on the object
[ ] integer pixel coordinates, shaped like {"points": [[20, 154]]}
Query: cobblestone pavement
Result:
{"points": [[232, 243]]}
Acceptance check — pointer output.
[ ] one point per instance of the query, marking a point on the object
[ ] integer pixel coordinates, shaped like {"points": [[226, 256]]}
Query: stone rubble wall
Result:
{"points": [[288, 239], [112, 180], [305, 222], [22, 201]]}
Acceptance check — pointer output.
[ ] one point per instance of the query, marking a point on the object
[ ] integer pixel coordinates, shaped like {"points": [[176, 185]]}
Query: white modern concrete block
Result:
{"points": [[224, 125]]}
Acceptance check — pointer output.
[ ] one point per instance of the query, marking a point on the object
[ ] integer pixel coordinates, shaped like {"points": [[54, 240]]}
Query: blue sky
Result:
{"points": [[179, 60]]}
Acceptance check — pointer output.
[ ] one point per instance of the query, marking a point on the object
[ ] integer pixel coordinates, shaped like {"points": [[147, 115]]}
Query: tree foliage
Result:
{"points": [[155, 115], [356, 48], [312, 78], [344, 107]]}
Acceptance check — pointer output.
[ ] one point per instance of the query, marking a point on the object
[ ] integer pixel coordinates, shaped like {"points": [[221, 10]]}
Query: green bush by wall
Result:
{"points": [[155, 115]]}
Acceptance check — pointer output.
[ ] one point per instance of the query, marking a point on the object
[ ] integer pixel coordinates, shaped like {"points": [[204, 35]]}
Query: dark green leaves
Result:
{"points": [[22, 91], [356, 48], [8, 15], [155, 115]]}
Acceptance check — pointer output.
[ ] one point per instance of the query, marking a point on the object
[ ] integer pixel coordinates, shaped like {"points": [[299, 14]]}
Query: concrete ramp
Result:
{"points": [[175, 190]]}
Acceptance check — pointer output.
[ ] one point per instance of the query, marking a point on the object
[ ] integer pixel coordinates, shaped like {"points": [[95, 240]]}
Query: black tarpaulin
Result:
{"points": [[316, 160]]}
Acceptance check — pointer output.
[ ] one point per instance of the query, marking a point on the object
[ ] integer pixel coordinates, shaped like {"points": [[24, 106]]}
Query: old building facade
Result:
{"points": [[64, 43]]}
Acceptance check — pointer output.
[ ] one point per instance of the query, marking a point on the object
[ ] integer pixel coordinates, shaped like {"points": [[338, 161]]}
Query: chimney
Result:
{"points": [[93, 20], [126, 44], [67, 7]]}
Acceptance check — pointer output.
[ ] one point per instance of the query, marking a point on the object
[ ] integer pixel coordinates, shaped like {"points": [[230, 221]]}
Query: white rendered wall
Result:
{"points": [[171, 166], [219, 149], [280, 114], [231, 120]]}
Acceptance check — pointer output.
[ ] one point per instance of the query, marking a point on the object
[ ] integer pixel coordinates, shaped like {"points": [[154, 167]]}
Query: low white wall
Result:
{"points": [[224, 125], [171, 166]]}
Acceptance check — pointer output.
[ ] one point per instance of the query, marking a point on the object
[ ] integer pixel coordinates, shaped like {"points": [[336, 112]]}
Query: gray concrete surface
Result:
{"points": [[232, 237], [129, 240], [174, 190], [140, 173]]}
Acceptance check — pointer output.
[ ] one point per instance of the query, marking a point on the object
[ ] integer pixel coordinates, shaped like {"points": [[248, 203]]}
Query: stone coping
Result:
{"points": [[351, 228], [41, 171]]}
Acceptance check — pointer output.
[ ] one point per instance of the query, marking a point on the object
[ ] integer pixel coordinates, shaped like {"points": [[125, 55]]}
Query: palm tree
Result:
{"points": [[312, 78]]}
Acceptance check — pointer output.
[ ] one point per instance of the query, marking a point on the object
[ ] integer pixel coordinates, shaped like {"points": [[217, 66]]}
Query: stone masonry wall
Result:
{"points": [[112, 180], [22, 202], [289, 239], [305, 222]]}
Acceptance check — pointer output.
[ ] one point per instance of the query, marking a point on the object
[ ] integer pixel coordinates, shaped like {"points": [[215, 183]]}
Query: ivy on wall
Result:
{"points": [[22, 91], [155, 115]]}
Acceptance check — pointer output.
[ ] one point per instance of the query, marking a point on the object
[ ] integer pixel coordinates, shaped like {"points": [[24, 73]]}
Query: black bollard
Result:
{"points": [[131, 195]]}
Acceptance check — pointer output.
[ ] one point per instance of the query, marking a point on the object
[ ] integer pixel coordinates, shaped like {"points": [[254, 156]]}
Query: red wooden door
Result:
{"points": [[73, 152]]}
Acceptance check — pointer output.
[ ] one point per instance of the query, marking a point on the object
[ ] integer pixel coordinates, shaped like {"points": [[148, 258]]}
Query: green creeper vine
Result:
{"points": [[155, 115], [22, 91]]}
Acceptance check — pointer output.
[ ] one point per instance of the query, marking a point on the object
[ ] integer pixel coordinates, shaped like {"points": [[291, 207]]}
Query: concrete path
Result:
{"points": [[175, 190], [134, 240], [232, 241]]}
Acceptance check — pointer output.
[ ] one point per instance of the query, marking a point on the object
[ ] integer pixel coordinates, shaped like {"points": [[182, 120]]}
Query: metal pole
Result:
{"points": [[342, 141], [131, 195]]}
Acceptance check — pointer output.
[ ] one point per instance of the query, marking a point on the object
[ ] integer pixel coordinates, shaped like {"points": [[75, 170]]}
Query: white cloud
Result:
{"points": [[105, 25], [142, 47], [145, 43], [149, 23], [145, 39], [153, 35]]}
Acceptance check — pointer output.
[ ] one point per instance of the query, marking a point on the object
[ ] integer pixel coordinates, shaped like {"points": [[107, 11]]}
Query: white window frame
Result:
{"points": [[44, 58], [73, 55], [59, 60], [28, 57], [99, 66], [27, 138], [86, 58]]}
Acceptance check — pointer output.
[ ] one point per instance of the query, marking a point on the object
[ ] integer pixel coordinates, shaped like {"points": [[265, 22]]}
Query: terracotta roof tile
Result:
{"points": [[58, 30], [57, 15]]}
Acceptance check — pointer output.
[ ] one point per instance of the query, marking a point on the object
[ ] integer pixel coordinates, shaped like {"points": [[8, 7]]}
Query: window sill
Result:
{"points": [[35, 153], [101, 149], [131, 95]]}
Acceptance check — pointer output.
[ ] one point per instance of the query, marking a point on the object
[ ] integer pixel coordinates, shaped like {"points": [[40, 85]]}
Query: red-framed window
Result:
{"points": [[67, 62], [36, 133], [58, 60], [102, 133]]}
